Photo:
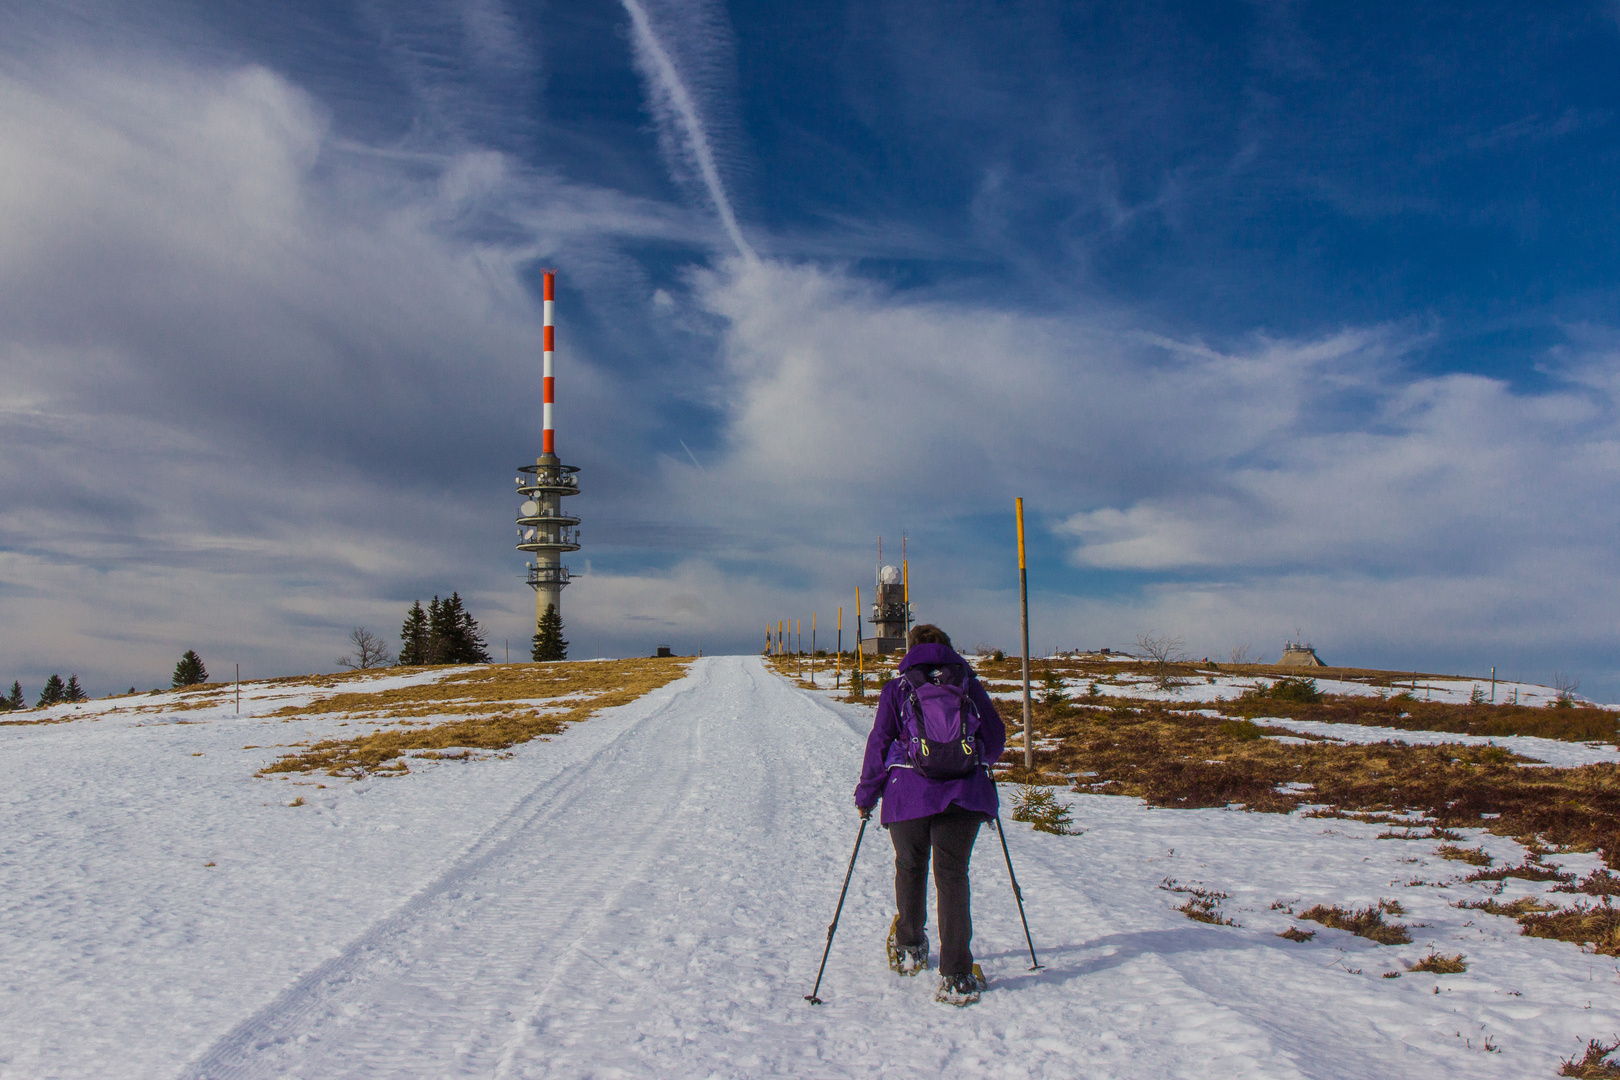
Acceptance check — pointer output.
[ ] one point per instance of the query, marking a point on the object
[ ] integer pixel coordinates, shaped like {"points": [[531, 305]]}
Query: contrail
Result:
{"points": [[691, 455], [662, 71]]}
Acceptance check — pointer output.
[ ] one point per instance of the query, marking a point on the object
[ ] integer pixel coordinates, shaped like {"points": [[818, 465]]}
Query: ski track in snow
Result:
{"points": [[646, 895]]}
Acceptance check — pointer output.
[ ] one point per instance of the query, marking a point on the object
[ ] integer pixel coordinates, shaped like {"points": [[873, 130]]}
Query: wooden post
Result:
{"points": [[860, 659], [239, 688], [812, 648], [1493, 684], [1023, 603]]}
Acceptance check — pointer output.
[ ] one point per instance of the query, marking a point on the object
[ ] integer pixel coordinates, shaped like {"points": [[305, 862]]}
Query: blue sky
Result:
{"points": [[1279, 315]]}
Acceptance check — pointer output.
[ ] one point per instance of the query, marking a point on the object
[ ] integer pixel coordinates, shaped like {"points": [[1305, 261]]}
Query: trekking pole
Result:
{"points": [[833, 926], [1018, 894]]}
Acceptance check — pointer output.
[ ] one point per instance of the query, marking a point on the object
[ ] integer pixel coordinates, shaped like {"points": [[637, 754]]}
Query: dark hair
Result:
{"points": [[927, 634]]}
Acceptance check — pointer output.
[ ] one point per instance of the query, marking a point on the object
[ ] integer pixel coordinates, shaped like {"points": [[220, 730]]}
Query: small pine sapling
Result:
{"points": [[548, 642], [73, 691], [1053, 694], [189, 671], [1040, 808]]}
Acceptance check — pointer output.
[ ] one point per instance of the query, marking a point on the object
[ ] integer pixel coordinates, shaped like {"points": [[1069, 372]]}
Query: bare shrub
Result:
{"points": [[1595, 1065], [1203, 905], [1239, 655], [369, 651], [1163, 655], [1565, 685], [1598, 883]]}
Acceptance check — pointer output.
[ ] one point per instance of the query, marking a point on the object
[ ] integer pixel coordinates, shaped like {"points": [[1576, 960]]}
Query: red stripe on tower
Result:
{"points": [[548, 346]]}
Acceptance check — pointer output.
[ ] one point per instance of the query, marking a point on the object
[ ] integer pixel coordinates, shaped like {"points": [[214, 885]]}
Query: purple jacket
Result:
{"points": [[905, 793]]}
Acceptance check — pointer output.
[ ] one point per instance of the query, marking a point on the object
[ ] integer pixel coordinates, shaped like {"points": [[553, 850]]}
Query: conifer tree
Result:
{"points": [[52, 694], [467, 637], [189, 671], [15, 699], [548, 639], [413, 636], [73, 691], [439, 634]]}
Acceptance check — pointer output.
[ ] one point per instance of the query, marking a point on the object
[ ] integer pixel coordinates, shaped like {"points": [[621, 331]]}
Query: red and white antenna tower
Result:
{"points": [[543, 527]]}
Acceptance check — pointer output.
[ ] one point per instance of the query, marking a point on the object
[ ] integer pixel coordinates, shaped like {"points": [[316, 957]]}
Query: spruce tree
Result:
{"points": [[189, 671], [413, 636], [74, 692], [52, 694], [469, 647], [439, 634], [15, 700], [548, 639]]}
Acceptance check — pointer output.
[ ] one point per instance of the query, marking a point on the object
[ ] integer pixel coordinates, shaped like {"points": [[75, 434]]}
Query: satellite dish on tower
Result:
{"points": [[529, 509], [889, 575]]}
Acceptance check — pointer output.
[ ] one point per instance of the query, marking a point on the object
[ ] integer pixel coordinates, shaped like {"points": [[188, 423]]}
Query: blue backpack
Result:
{"points": [[939, 722]]}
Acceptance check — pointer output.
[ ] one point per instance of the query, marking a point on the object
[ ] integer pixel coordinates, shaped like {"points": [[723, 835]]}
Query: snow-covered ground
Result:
{"points": [[647, 894], [1217, 686], [1547, 751]]}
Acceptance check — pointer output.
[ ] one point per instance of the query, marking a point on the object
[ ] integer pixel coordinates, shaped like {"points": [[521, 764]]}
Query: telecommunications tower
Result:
{"points": [[544, 528]]}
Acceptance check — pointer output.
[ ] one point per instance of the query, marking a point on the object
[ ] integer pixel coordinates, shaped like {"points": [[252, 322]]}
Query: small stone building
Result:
{"points": [[1298, 654]]}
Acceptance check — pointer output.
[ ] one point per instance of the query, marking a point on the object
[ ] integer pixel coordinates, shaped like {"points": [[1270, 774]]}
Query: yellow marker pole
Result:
{"points": [[812, 648], [1023, 601], [778, 637], [905, 581]]}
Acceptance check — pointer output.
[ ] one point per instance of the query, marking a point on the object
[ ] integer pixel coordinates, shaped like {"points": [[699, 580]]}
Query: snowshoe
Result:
{"points": [[906, 959], [958, 990]]}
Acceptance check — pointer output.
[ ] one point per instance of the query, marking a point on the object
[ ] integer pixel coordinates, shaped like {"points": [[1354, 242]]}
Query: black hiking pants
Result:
{"points": [[950, 836]]}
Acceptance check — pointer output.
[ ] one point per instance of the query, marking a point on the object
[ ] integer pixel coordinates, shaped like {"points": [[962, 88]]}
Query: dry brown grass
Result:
{"points": [[1178, 759], [1294, 933], [1441, 964], [1571, 725], [1473, 856], [497, 707], [1529, 870], [1367, 923], [1522, 906], [1595, 1065], [1596, 926]]}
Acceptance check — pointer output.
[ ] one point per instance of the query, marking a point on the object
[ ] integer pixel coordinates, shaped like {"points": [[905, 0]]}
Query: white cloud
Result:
{"points": [[256, 375]]}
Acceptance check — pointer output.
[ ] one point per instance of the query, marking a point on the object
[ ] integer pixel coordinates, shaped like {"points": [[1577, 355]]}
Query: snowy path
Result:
{"points": [[648, 897]]}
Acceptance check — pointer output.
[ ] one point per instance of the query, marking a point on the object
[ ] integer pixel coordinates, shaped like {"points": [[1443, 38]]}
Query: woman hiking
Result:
{"points": [[928, 757]]}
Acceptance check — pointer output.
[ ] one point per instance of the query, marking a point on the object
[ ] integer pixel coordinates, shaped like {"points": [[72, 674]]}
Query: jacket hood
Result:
{"points": [[931, 654]]}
